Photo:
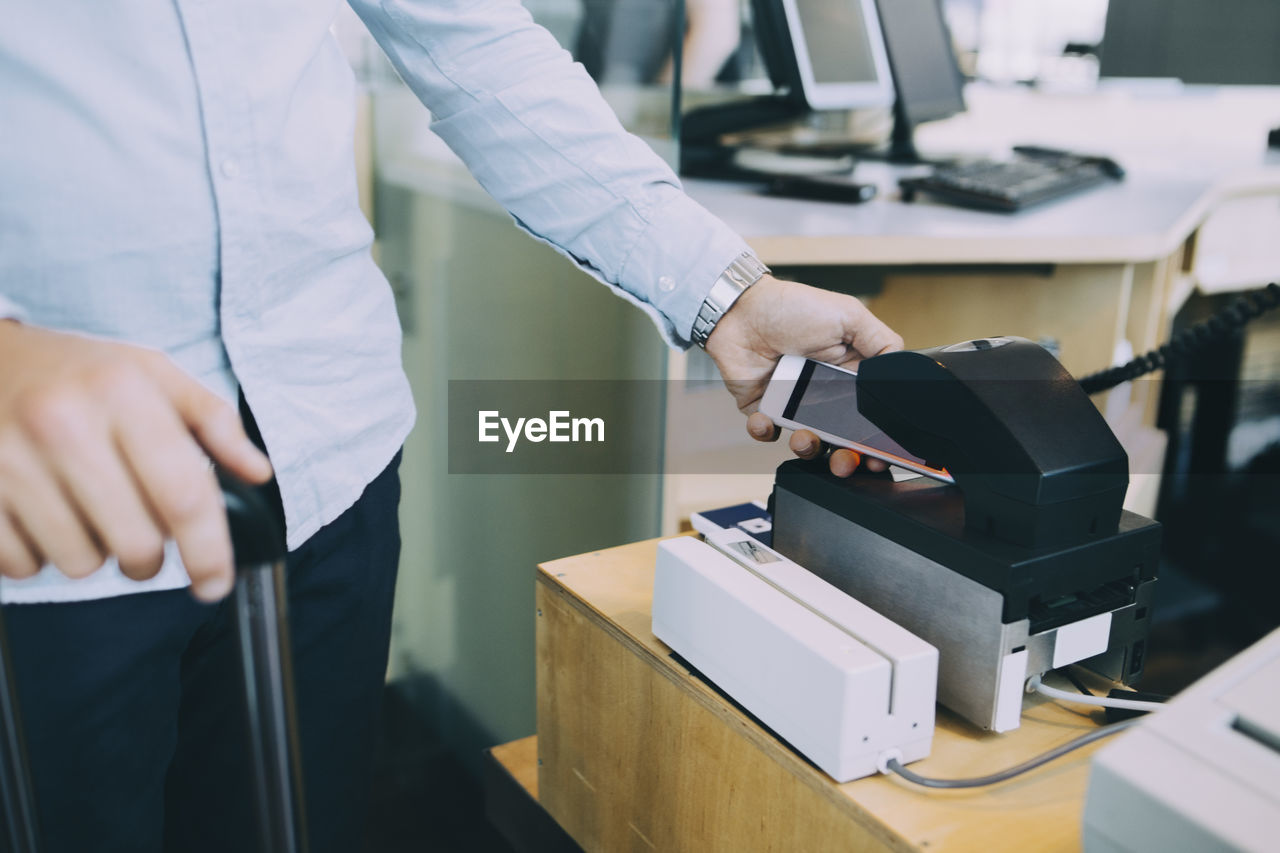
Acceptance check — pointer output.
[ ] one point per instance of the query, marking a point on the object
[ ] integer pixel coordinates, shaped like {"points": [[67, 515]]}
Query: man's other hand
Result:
{"points": [[104, 450], [774, 318]]}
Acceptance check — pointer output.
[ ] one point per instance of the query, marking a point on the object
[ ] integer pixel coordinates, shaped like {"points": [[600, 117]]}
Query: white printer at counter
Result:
{"points": [[1201, 774]]}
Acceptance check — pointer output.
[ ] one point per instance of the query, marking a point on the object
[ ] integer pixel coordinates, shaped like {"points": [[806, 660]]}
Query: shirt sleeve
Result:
{"points": [[534, 130]]}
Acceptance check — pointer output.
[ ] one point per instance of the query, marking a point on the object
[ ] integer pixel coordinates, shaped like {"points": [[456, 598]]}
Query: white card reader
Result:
{"points": [[840, 683]]}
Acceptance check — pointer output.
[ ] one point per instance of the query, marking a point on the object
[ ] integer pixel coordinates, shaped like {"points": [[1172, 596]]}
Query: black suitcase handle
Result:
{"points": [[262, 628], [16, 795], [262, 624]]}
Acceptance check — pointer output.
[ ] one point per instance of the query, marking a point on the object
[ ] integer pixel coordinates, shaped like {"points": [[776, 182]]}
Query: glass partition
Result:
{"points": [[626, 46]]}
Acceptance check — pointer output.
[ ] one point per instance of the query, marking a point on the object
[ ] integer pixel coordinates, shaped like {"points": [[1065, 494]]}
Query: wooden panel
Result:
{"points": [[637, 754], [631, 762], [520, 759], [511, 800], [1079, 306]]}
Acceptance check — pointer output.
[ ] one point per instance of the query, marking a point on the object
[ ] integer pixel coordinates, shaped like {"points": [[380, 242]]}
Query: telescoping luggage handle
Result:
{"points": [[261, 624], [15, 774]]}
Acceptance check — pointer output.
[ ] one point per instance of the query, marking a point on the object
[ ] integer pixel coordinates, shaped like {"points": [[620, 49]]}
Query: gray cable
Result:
{"points": [[895, 766]]}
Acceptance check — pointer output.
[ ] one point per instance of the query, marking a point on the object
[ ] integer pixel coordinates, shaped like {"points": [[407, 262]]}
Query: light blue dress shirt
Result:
{"points": [[180, 174]]}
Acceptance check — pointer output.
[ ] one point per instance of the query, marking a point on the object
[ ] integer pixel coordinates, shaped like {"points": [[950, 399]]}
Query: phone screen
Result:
{"points": [[826, 399]]}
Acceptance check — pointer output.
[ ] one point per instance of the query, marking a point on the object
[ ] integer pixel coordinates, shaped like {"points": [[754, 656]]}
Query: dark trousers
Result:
{"points": [[133, 705]]}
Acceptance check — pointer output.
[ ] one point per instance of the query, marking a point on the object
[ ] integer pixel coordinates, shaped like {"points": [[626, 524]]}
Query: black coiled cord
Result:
{"points": [[1188, 341]]}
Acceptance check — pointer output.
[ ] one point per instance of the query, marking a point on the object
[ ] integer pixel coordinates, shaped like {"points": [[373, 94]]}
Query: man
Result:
{"points": [[178, 231]]}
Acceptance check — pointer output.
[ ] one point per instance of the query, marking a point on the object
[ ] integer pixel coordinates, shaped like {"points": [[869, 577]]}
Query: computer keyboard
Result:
{"points": [[1009, 185]]}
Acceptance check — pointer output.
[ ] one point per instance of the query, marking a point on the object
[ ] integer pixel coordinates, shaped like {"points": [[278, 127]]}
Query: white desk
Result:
{"points": [[1185, 156], [1198, 208]]}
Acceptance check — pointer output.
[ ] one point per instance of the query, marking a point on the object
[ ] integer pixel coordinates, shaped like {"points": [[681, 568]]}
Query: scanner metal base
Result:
{"points": [[985, 654]]}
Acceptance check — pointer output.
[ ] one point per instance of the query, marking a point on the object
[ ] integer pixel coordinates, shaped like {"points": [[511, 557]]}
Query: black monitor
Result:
{"points": [[922, 62], [821, 55], [925, 72], [1196, 41]]}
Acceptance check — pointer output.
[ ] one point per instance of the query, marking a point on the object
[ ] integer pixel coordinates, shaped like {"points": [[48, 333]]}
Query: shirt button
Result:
{"points": [[230, 169], [666, 284]]}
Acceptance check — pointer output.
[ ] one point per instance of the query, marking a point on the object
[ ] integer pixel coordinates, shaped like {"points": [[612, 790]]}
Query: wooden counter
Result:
{"points": [[635, 753]]}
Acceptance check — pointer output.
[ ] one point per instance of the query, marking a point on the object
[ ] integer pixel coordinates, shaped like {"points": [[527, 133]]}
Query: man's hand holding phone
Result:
{"points": [[775, 318], [812, 395]]}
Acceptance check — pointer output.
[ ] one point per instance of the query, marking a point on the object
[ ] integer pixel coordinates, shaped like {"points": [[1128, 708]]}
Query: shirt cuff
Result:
{"points": [[10, 310], [676, 260]]}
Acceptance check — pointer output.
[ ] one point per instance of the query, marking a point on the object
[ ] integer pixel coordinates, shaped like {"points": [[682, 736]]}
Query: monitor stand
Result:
{"points": [[902, 142]]}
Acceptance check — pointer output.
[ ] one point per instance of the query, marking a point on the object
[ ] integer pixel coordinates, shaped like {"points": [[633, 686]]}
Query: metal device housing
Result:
{"points": [[996, 611]]}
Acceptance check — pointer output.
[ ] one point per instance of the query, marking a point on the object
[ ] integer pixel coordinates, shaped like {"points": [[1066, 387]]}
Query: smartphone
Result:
{"points": [[823, 398]]}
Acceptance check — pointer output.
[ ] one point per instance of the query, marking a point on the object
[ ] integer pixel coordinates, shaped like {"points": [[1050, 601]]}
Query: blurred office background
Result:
{"points": [[479, 300]]}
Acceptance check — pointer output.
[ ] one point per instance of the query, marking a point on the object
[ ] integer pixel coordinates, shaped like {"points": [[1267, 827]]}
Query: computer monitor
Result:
{"points": [[1220, 42], [820, 54], [911, 35], [829, 54], [926, 75]]}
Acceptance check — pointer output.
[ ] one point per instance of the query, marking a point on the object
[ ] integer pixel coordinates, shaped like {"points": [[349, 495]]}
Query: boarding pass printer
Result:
{"points": [[1028, 562]]}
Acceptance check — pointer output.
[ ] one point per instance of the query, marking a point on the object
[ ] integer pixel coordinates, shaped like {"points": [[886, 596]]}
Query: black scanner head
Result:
{"points": [[1035, 460]]}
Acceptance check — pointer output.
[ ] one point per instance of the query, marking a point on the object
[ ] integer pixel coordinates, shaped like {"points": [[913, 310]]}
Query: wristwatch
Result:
{"points": [[745, 271]]}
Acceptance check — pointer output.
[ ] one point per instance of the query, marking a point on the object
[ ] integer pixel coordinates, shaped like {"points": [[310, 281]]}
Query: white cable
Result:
{"points": [[1035, 685]]}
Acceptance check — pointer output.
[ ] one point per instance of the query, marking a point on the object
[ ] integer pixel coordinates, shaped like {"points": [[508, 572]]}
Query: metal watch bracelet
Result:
{"points": [[744, 271]]}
